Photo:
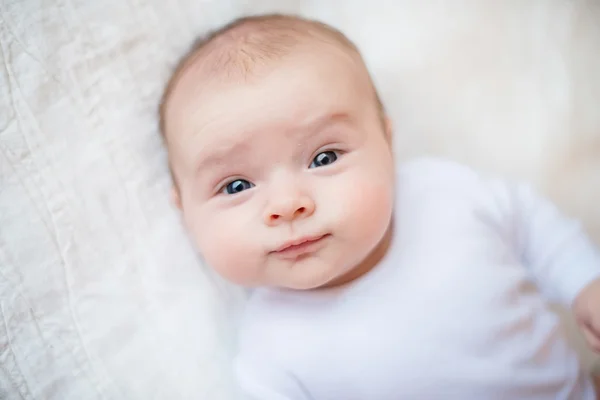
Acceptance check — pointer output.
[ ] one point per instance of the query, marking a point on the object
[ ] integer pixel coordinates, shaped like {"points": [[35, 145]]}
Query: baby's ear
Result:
{"points": [[175, 197]]}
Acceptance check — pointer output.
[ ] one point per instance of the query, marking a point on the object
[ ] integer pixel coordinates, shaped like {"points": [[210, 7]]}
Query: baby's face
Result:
{"points": [[286, 180]]}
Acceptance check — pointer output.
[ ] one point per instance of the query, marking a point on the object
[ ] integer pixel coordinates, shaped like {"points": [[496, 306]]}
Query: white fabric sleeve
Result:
{"points": [[555, 248], [259, 380]]}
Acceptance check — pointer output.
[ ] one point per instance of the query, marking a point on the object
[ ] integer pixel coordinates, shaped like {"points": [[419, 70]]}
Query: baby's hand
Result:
{"points": [[587, 312]]}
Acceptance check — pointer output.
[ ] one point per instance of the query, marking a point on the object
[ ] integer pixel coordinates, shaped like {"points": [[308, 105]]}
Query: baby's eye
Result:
{"points": [[324, 158], [237, 186]]}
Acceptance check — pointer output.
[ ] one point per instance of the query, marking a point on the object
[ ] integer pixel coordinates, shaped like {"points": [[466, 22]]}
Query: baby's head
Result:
{"points": [[280, 154]]}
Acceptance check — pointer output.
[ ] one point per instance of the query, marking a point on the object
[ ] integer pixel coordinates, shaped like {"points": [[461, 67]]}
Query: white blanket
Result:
{"points": [[101, 294]]}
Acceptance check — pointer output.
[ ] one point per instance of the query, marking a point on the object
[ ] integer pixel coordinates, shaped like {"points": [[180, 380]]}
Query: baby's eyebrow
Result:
{"points": [[319, 123], [224, 153]]}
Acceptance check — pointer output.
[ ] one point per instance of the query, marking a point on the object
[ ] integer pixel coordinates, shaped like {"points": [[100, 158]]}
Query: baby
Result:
{"points": [[372, 280]]}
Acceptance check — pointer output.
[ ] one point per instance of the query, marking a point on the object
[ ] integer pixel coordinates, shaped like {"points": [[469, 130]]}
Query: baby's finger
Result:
{"points": [[592, 339]]}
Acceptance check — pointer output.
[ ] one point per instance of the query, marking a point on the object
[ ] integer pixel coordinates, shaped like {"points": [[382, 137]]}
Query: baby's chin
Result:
{"points": [[299, 277], [304, 277], [312, 274], [296, 277]]}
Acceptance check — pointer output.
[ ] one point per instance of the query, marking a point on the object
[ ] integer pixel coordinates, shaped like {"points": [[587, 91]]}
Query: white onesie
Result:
{"points": [[446, 315]]}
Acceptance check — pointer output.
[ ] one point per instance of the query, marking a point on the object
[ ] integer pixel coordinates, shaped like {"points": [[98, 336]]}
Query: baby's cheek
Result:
{"points": [[376, 206], [227, 249], [369, 210]]}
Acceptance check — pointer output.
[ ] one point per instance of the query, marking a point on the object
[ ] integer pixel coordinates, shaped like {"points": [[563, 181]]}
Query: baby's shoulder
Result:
{"points": [[449, 185], [440, 171], [441, 177]]}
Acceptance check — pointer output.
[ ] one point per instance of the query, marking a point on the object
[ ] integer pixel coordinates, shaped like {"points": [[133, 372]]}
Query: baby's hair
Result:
{"points": [[236, 49]]}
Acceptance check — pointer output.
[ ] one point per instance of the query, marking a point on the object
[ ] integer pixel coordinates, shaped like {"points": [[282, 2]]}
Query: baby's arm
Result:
{"points": [[561, 257], [563, 261]]}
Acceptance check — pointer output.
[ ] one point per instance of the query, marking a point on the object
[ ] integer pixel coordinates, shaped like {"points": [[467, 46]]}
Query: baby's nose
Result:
{"points": [[288, 209]]}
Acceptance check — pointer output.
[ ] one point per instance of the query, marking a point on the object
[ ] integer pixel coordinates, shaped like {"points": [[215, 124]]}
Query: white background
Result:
{"points": [[101, 294]]}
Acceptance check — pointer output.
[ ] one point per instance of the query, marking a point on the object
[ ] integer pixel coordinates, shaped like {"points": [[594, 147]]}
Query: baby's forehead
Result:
{"points": [[207, 93], [238, 51], [244, 53]]}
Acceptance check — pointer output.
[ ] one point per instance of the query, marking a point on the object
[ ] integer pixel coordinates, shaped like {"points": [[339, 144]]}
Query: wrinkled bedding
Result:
{"points": [[102, 295]]}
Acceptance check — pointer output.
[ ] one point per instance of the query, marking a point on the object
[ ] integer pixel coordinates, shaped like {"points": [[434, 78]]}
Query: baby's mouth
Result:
{"points": [[301, 246]]}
